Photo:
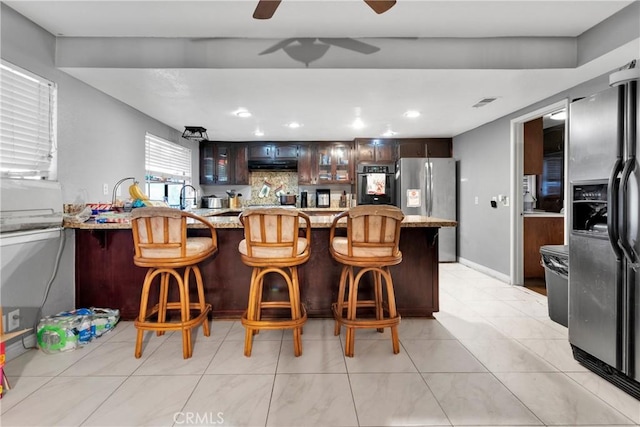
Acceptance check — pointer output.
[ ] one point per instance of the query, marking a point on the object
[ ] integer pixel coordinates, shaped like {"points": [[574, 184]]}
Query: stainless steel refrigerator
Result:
{"points": [[604, 242], [427, 186]]}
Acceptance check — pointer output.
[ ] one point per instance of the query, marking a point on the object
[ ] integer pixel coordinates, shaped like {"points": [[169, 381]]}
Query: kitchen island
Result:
{"points": [[106, 276]]}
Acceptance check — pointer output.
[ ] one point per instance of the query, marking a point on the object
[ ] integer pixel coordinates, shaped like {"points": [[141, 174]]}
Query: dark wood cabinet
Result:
{"points": [[425, 147], [325, 163], [223, 163], [539, 231], [376, 150], [533, 147], [262, 151], [306, 172]]}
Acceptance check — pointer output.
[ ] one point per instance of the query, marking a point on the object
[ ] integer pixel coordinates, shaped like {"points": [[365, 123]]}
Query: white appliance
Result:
{"points": [[31, 240], [29, 205], [426, 186]]}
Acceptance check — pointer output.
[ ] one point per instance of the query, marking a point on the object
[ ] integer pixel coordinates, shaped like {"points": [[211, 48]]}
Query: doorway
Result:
{"points": [[547, 178]]}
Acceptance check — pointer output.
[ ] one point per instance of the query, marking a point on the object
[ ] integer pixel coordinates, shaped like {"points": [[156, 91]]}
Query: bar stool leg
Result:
{"points": [[163, 296], [142, 315], [377, 285], [201, 302]]}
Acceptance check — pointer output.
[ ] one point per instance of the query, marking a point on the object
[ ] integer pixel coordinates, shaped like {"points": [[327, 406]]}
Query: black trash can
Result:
{"points": [[555, 260]]}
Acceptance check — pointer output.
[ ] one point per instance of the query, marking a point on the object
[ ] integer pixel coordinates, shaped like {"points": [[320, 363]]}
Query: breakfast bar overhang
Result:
{"points": [[106, 276]]}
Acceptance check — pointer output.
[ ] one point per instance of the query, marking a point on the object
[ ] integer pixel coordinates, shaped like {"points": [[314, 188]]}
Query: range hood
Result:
{"points": [[273, 165]]}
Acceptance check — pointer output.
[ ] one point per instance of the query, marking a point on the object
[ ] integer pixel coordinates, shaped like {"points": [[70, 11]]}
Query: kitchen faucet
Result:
{"points": [[182, 198]]}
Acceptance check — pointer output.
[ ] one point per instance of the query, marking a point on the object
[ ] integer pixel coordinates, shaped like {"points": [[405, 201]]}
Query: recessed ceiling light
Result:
{"points": [[357, 123], [412, 114], [258, 132], [389, 132], [243, 113], [293, 125]]}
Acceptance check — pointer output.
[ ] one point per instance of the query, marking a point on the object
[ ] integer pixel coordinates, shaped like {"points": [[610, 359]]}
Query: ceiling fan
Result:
{"points": [[266, 8], [307, 50]]}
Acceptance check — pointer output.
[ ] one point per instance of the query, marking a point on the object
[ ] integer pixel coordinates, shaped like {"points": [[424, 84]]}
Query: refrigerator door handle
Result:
{"points": [[429, 189], [613, 193], [623, 236]]}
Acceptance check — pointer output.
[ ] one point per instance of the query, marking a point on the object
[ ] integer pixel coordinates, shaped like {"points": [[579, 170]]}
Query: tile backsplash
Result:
{"points": [[265, 185]]}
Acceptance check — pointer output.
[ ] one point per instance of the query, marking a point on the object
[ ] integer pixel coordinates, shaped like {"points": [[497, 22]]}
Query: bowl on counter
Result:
{"points": [[214, 202]]}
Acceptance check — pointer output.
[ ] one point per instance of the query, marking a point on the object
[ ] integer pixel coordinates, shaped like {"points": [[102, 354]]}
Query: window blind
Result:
{"points": [[27, 123], [167, 160]]}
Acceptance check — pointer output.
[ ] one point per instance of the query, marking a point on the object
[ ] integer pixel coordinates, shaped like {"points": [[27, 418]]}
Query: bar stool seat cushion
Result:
{"points": [[195, 246], [341, 246], [273, 252]]}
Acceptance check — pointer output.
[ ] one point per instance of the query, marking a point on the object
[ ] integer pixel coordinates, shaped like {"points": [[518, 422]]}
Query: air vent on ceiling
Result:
{"points": [[484, 101]]}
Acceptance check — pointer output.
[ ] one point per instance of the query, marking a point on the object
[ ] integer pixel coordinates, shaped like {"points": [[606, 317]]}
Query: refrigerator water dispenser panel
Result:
{"points": [[590, 209]]}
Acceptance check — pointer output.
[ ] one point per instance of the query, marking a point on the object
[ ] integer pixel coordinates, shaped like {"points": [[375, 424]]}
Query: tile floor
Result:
{"points": [[491, 357]]}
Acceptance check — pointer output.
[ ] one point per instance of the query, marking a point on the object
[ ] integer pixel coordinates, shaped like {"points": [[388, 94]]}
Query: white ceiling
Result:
{"points": [[421, 64]]}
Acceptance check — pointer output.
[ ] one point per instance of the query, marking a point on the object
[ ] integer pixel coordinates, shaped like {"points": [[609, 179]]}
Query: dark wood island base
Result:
{"points": [[107, 277]]}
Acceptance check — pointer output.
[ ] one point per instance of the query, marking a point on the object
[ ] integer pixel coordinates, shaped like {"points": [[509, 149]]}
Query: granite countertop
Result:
{"points": [[220, 221]]}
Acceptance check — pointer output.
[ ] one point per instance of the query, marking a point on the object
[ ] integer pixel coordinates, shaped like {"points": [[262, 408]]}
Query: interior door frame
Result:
{"points": [[516, 262]]}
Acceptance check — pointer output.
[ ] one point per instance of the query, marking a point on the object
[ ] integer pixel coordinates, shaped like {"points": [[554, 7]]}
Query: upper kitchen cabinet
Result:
{"points": [[223, 163], [273, 151], [533, 147], [424, 147], [325, 163], [334, 163], [375, 150]]}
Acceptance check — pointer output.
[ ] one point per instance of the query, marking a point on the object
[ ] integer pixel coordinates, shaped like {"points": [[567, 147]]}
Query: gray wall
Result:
{"points": [[483, 154], [100, 140], [484, 170]]}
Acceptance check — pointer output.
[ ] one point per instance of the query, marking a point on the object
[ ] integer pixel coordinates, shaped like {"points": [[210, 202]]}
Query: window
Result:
{"points": [[168, 167], [27, 124]]}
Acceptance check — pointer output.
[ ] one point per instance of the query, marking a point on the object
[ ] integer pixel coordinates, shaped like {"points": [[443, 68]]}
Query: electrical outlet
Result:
{"points": [[4, 324], [105, 189], [476, 200], [13, 320]]}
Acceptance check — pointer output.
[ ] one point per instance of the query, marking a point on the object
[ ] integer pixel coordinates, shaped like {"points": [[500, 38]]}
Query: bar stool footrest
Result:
{"points": [[364, 323], [173, 326], [275, 323]]}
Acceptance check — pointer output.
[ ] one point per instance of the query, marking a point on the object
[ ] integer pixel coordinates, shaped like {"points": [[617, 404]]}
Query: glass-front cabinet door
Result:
{"points": [[334, 163], [215, 163]]}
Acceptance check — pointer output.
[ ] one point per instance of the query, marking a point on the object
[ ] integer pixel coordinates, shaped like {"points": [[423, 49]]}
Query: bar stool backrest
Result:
{"points": [[274, 232], [160, 234]]}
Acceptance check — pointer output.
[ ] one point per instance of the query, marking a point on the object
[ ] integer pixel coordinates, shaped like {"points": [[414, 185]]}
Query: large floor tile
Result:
{"points": [[230, 400], [168, 359], [611, 394], [230, 358], [111, 358], [35, 363], [237, 333], [318, 356], [525, 327], [395, 400], [556, 352], [478, 398], [62, 402], [423, 329], [377, 356], [536, 308], [473, 327], [495, 309], [315, 329], [21, 388], [557, 400], [441, 356], [506, 356], [312, 400], [145, 400]]}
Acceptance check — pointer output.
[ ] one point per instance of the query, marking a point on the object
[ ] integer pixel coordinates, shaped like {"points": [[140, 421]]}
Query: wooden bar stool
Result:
{"points": [[272, 245], [161, 245], [371, 245]]}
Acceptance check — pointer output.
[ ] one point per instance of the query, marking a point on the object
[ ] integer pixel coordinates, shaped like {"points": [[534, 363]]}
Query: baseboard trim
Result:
{"points": [[16, 348], [482, 269]]}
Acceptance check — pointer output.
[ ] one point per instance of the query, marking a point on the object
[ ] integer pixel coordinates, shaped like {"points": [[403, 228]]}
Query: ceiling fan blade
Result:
{"points": [[380, 6], [280, 45], [266, 8], [351, 44]]}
